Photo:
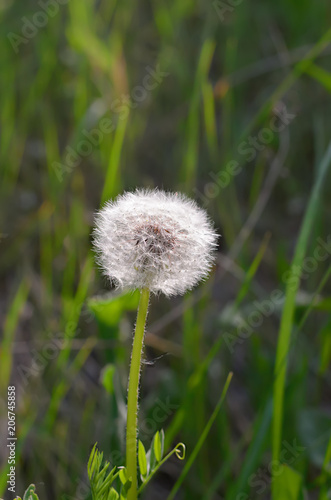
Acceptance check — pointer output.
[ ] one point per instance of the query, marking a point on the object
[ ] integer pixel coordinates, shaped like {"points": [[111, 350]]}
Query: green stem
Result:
{"points": [[131, 426]]}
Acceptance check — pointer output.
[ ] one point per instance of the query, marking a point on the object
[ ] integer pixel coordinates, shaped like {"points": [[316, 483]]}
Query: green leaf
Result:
{"points": [[178, 450], [30, 493], [151, 455], [123, 475], [158, 445], [100, 480], [287, 484], [92, 462], [109, 310], [142, 460], [125, 480], [107, 378], [113, 495]]}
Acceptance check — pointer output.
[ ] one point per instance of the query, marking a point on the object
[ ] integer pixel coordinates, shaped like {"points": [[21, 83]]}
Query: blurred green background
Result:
{"points": [[228, 102]]}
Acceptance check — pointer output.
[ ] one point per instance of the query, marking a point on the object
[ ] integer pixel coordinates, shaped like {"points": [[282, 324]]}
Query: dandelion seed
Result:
{"points": [[156, 240]]}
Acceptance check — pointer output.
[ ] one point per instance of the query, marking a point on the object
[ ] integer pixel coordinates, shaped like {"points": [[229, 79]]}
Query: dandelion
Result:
{"points": [[157, 242]]}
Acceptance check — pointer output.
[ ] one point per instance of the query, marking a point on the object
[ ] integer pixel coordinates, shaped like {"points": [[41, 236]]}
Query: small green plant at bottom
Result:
{"points": [[30, 494], [115, 484]]}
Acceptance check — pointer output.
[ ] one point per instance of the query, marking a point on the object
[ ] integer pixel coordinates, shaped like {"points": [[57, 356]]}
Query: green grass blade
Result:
{"points": [[192, 148], [253, 454], [322, 76], [61, 389], [201, 440], [112, 186], [252, 271], [289, 307], [300, 68], [325, 473], [6, 356], [192, 384]]}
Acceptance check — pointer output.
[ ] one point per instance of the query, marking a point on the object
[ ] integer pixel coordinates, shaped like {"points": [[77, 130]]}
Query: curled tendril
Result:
{"points": [[180, 450]]}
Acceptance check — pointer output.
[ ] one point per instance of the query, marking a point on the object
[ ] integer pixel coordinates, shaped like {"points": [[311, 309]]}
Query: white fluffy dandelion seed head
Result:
{"points": [[156, 240]]}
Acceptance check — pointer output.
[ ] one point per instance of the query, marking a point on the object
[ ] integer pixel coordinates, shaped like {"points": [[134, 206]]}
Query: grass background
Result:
{"points": [[224, 73]]}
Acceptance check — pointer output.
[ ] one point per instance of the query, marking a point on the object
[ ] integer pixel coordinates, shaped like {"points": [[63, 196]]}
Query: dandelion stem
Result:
{"points": [[131, 428]]}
